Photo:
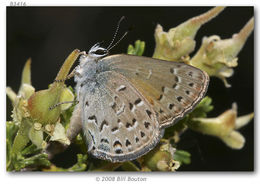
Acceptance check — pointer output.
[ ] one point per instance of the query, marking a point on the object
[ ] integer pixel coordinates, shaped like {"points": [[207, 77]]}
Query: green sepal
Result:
{"points": [[138, 49]]}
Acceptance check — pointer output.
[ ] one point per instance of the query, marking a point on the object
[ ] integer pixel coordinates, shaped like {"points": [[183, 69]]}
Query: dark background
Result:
{"points": [[49, 34]]}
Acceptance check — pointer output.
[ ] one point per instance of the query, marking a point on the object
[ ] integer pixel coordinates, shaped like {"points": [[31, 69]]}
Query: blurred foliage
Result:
{"points": [[37, 117]]}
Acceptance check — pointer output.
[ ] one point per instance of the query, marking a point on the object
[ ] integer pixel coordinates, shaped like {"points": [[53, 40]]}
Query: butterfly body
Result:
{"points": [[126, 101]]}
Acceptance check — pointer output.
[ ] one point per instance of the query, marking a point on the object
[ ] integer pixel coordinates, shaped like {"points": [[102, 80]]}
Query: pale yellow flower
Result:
{"points": [[224, 127], [179, 41], [218, 56]]}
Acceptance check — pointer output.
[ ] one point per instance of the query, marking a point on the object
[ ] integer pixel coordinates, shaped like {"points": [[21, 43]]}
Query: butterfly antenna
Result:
{"points": [[118, 24], [118, 41]]}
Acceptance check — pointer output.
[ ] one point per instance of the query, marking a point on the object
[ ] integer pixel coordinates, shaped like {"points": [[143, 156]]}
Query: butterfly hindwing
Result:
{"points": [[118, 122]]}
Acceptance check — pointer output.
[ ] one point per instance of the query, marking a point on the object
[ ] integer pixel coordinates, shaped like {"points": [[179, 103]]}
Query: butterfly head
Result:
{"points": [[97, 51]]}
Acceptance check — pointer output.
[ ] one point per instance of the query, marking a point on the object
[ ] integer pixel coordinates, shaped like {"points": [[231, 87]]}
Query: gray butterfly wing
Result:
{"points": [[118, 122], [171, 88]]}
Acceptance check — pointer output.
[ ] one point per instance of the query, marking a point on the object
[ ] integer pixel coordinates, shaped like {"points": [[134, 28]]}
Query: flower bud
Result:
{"points": [[224, 127], [179, 42]]}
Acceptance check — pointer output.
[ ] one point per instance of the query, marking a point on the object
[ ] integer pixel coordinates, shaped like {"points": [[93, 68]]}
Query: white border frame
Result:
{"points": [[181, 178]]}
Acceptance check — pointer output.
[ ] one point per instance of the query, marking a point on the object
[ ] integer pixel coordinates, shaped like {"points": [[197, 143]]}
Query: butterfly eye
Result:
{"points": [[100, 52], [97, 51]]}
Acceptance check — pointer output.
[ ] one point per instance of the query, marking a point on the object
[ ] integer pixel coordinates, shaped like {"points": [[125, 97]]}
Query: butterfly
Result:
{"points": [[125, 102]]}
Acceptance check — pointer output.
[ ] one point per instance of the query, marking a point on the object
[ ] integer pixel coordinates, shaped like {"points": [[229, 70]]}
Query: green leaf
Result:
{"points": [[202, 108], [32, 163], [81, 165], [39, 160], [22, 137], [30, 150], [182, 156], [138, 49], [129, 166], [11, 130]]}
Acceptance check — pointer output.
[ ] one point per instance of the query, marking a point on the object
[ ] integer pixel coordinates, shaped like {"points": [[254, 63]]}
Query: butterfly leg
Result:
{"points": [[65, 102], [75, 125]]}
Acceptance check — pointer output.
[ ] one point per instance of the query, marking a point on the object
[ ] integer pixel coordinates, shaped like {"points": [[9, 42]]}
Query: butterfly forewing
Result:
{"points": [[118, 120], [171, 88]]}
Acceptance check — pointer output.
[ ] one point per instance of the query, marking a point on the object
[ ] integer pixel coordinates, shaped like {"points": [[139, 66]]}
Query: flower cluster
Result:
{"points": [[38, 119]]}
